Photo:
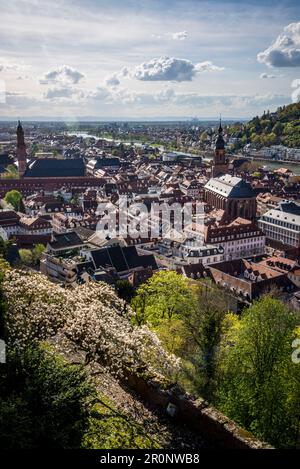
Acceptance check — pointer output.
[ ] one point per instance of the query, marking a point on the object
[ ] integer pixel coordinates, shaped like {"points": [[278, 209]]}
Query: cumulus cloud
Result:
{"points": [[62, 75], [285, 50], [112, 81], [296, 93], [168, 69], [180, 36]]}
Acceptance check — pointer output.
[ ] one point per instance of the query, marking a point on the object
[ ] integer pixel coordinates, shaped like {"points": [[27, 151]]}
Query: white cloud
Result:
{"points": [[180, 36], [296, 93], [170, 98], [168, 69], [285, 50], [7, 66], [63, 92], [266, 75], [112, 81], [63, 75]]}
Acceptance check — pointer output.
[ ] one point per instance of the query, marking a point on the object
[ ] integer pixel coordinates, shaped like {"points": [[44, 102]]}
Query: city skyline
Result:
{"points": [[69, 61]]}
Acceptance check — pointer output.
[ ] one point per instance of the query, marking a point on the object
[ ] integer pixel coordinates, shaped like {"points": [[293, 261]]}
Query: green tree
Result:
{"points": [[5, 247], [13, 198], [44, 401], [37, 253], [164, 295], [26, 256], [258, 385], [204, 322], [11, 172], [125, 290]]}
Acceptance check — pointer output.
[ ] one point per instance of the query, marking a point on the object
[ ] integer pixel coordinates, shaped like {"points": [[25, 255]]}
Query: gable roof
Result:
{"points": [[230, 186], [122, 258], [51, 167], [65, 240]]}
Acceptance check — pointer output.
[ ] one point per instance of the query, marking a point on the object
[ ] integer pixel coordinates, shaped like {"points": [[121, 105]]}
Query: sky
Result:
{"points": [[154, 59]]}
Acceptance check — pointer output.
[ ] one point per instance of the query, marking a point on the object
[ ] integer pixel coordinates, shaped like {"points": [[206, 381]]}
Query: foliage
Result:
{"points": [[111, 429], [90, 316], [204, 323], [31, 257], [280, 127], [188, 319], [5, 247], [13, 198], [11, 172], [165, 295], [44, 401], [125, 290], [259, 383]]}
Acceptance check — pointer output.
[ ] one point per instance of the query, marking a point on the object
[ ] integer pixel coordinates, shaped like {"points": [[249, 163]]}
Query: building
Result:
{"points": [[240, 238], [282, 224], [66, 271], [53, 167], [32, 230], [48, 174], [220, 165], [266, 201], [9, 223], [64, 244], [34, 226], [21, 153], [107, 164], [231, 194], [107, 264], [249, 280]]}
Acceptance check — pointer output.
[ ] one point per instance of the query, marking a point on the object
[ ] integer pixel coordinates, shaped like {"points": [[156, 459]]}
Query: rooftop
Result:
{"points": [[230, 186]]}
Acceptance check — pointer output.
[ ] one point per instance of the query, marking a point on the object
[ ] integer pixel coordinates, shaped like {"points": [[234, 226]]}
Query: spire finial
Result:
{"points": [[220, 126]]}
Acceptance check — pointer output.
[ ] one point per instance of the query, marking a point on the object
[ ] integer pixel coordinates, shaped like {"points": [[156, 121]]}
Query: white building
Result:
{"points": [[282, 224]]}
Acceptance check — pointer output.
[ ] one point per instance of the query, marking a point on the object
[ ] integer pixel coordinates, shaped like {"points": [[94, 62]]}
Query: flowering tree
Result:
{"points": [[90, 316]]}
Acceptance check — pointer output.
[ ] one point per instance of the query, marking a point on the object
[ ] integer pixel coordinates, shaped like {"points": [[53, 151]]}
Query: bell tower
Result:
{"points": [[220, 165], [21, 150]]}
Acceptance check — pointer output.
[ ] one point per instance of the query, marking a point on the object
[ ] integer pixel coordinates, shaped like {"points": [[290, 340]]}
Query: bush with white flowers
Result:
{"points": [[90, 316]]}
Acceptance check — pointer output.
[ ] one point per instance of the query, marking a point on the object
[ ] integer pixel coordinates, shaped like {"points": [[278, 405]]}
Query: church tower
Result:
{"points": [[21, 150], [220, 165]]}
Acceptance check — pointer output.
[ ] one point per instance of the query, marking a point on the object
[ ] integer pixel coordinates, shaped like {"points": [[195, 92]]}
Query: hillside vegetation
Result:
{"points": [[272, 128]]}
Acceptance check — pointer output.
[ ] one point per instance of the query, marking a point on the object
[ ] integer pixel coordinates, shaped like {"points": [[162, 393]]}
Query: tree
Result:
{"points": [[91, 318], [259, 383], [164, 295], [204, 322], [5, 247], [125, 290], [37, 253], [44, 400], [26, 256], [13, 198], [11, 172]]}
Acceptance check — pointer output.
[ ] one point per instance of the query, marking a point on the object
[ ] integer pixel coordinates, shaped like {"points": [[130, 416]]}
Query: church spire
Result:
{"points": [[220, 126], [21, 150], [220, 165]]}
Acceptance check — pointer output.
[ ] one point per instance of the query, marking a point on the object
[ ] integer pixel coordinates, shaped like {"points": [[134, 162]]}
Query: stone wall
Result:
{"points": [[217, 429]]}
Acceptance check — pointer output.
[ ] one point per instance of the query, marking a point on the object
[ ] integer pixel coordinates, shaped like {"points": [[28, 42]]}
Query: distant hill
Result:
{"points": [[272, 128]]}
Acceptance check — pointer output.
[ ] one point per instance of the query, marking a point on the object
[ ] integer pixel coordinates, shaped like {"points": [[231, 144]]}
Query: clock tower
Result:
{"points": [[220, 165]]}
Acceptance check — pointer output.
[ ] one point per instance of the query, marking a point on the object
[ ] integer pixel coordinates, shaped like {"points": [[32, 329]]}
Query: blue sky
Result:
{"points": [[144, 59]]}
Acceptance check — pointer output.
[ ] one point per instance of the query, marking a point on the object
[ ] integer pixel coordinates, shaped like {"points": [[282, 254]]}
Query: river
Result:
{"points": [[270, 165]]}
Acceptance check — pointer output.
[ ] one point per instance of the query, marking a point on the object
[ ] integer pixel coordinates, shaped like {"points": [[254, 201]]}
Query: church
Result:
{"points": [[48, 174], [225, 192], [46, 167]]}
